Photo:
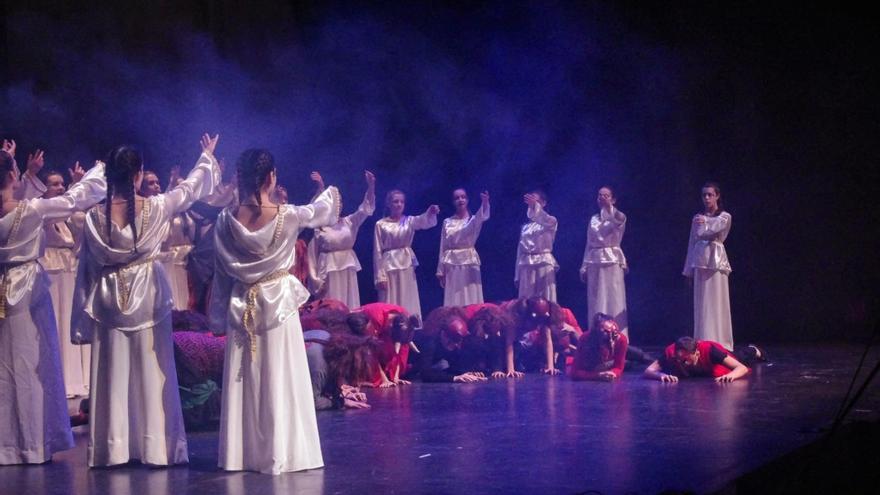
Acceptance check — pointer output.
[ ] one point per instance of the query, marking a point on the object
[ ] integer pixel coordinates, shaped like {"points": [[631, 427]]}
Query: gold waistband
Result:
{"points": [[247, 319]]}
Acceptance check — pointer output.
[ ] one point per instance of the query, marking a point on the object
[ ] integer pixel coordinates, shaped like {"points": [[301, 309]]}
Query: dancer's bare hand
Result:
{"points": [[76, 173], [550, 371], [668, 378], [209, 144], [35, 162]]}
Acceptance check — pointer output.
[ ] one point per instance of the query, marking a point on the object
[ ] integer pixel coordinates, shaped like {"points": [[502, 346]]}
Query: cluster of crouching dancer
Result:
{"points": [[91, 275]]}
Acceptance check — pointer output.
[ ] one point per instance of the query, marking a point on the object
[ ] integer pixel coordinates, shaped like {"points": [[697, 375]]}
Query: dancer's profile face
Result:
{"points": [[150, 185], [397, 203], [687, 358]]}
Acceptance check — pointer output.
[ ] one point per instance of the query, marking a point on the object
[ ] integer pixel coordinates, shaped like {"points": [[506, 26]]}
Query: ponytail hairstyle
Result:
{"points": [[714, 185], [253, 166], [122, 166], [7, 163]]}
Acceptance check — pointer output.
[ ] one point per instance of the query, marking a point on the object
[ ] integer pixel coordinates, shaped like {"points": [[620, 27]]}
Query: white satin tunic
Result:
{"points": [[604, 235], [706, 245], [392, 243], [536, 238], [332, 247], [458, 239]]}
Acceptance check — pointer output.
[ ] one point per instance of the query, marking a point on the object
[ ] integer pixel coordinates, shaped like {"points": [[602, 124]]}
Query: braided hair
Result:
{"points": [[6, 165], [122, 166], [253, 166]]}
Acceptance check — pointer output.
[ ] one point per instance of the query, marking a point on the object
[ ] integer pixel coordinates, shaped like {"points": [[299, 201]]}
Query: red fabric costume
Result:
{"points": [[709, 363], [590, 361], [380, 317]]}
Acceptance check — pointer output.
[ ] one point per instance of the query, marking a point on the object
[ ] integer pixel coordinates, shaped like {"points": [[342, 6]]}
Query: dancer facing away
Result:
{"points": [[708, 267], [122, 305], [267, 420], [604, 264], [35, 422], [59, 261], [459, 267], [688, 357], [535, 265], [331, 251], [394, 261]]}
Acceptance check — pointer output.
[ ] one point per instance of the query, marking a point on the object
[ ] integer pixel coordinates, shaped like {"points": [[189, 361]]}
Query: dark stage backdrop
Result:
{"points": [[777, 103]]}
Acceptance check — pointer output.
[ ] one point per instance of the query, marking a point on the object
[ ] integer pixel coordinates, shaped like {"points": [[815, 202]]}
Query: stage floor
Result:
{"points": [[536, 435]]}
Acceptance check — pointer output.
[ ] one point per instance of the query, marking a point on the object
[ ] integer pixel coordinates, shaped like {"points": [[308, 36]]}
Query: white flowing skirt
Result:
{"points": [[712, 307], [537, 280], [403, 290], [75, 359], [135, 402], [606, 293], [34, 422], [177, 279], [342, 285], [267, 421], [464, 285]]}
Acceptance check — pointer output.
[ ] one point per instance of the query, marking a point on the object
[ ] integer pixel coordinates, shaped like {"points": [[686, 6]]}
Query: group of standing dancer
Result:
{"points": [[115, 272]]}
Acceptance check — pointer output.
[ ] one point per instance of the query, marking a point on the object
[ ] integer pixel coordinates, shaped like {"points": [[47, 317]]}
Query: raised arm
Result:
{"points": [[31, 185], [441, 272], [540, 216], [88, 191], [427, 219], [199, 183], [368, 205], [322, 211]]}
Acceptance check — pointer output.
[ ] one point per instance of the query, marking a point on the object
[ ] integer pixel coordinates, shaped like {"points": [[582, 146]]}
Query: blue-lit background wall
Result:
{"points": [[778, 105]]}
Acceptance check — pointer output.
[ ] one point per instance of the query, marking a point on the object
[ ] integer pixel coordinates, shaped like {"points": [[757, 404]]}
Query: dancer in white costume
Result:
{"points": [[604, 264], [59, 261], [122, 304], [459, 267], [267, 420], [35, 423], [394, 261], [708, 266], [536, 267], [176, 249], [332, 261]]}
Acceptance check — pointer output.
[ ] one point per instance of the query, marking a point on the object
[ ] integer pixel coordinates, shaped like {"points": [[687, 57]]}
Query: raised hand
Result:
{"points": [[35, 162], [371, 180], [76, 173], [9, 147], [209, 143], [317, 179], [531, 199], [484, 197], [433, 210]]}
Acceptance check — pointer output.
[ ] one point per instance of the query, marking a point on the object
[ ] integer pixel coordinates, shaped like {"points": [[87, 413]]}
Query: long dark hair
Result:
{"points": [[122, 165], [253, 166], [350, 358], [6, 164]]}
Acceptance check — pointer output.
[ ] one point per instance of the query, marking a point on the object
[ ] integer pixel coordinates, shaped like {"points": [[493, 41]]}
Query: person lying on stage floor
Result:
{"points": [[688, 358], [546, 334], [491, 341], [337, 360], [393, 326], [604, 352], [443, 351]]}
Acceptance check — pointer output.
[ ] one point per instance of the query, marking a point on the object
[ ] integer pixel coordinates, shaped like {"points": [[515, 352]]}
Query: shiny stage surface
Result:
{"points": [[536, 435]]}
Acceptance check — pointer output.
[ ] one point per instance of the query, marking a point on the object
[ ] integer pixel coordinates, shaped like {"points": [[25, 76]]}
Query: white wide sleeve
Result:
{"points": [[199, 183], [712, 230], [31, 187], [218, 305], [379, 274], [424, 221], [440, 268], [322, 211], [364, 211], [537, 214], [88, 191]]}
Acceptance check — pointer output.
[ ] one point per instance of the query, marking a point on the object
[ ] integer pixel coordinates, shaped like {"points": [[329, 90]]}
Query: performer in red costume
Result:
{"points": [[601, 352], [688, 357], [393, 326], [492, 335]]}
